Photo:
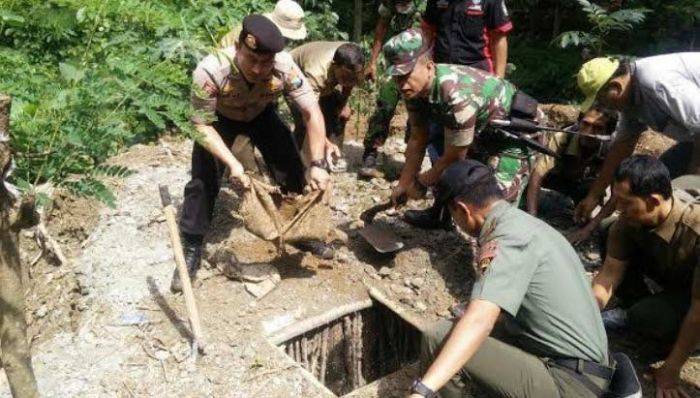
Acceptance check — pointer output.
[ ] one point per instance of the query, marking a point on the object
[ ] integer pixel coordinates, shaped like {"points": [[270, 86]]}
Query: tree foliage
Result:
{"points": [[90, 77], [603, 24]]}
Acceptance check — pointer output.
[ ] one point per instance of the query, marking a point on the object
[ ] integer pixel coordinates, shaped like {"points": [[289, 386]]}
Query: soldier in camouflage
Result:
{"points": [[394, 16], [462, 99]]}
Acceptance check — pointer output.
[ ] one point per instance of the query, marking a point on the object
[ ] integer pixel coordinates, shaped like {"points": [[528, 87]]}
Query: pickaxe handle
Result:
{"points": [[170, 218]]}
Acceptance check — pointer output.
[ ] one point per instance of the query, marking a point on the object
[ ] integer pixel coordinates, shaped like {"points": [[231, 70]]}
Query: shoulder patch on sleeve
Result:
{"points": [[485, 254]]}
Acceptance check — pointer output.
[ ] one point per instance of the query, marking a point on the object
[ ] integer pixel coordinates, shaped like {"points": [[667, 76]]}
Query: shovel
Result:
{"points": [[381, 238]]}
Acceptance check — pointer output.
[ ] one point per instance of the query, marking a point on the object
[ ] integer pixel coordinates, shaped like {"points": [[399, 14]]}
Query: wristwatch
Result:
{"points": [[321, 164], [421, 389]]}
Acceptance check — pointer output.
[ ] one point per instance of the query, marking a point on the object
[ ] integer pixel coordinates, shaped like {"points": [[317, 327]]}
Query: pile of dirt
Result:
{"points": [[132, 336]]}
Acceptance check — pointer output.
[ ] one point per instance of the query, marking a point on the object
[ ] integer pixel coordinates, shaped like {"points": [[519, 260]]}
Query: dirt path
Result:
{"points": [[131, 340]]}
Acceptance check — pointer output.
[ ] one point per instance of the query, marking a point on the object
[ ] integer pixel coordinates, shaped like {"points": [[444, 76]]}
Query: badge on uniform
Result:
{"points": [[250, 42], [210, 88], [487, 252], [294, 80]]}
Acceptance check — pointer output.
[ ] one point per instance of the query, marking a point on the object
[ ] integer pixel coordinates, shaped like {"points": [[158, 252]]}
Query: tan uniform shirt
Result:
{"points": [[572, 162], [218, 86], [670, 252], [315, 60]]}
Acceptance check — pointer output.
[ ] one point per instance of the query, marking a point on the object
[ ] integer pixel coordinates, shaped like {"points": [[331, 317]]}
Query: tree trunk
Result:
{"points": [[556, 24], [4, 130], [357, 26], [15, 355]]}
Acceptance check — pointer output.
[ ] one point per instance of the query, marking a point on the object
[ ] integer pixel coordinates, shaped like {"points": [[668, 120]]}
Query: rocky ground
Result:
{"points": [[106, 324]]}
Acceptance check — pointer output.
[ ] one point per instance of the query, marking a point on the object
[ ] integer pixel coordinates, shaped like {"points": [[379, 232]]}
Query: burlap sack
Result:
{"points": [[271, 215]]}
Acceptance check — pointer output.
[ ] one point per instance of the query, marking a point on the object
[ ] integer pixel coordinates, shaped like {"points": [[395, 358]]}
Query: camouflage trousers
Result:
{"points": [[387, 100]]}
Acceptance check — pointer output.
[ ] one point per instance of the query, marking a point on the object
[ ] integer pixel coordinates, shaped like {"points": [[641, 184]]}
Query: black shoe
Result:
{"points": [[192, 248], [431, 218], [317, 248]]}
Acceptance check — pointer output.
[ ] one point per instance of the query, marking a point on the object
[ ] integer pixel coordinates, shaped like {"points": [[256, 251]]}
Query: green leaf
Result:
{"points": [[11, 18], [70, 72], [80, 15]]}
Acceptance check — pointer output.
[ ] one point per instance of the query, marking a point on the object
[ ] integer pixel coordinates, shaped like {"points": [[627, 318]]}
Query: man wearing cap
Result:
{"points": [[394, 16], [287, 15], [660, 92], [289, 18], [463, 100], [233, 94], [464, 32], [333, 68], [532, 327], [657, 237]]}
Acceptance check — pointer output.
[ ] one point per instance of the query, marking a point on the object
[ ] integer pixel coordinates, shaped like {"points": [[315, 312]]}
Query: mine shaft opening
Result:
{"points": [[356, 349]]}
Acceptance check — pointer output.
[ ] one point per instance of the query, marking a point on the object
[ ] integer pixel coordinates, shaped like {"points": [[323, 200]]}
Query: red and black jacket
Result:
{"points": [[463, 29]]}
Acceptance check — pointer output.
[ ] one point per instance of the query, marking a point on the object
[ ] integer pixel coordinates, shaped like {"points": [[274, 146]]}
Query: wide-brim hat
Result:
{"points": [[289, 18]]}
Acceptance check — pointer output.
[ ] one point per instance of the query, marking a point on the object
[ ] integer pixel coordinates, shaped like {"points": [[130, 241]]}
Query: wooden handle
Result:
{"points": [[165, 199], [190, 303]]}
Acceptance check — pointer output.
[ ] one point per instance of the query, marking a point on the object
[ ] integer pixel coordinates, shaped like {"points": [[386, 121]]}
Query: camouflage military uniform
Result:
{"points": [[388, 94], [463, 100]]}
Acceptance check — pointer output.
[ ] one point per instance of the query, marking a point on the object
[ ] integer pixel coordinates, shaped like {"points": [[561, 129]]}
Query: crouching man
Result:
{"points": [[550, 341], [333, 68], [657, 237], [233, 92]]}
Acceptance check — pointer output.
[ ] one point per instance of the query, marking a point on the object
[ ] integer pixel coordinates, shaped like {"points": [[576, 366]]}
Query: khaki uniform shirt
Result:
{"points": [[218, 86], [669, 253], [538, 279], [572, 162], [315, 60]]}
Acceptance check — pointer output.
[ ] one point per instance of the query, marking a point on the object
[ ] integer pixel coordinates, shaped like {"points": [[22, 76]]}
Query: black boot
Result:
{"points": [[192, 248], [435, 217], [317, 248]]}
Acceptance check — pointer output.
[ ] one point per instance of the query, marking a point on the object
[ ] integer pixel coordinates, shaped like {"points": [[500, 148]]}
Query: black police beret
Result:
{"points": [[261, 35], [461, 177]]}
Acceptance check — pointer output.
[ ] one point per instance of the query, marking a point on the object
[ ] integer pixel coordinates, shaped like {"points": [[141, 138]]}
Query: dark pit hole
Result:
{"points": [[356, 349]]}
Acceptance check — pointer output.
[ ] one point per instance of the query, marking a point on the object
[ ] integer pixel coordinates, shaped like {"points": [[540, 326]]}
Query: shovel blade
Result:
{"points": [[382, 239]]}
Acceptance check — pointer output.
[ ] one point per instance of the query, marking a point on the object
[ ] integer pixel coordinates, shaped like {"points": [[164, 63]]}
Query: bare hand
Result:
{"points": [[408, 191], [317, 178], [428, 178], [667, 382], [238, 178], [415, 396], [331, 152], [583, 210]]}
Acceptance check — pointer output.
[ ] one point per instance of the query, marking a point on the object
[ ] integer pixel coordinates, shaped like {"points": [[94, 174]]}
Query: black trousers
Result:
{"points": [[274, 140]]}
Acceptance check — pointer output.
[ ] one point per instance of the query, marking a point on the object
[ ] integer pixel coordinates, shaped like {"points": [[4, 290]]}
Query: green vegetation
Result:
{"points": [[90, 77], [603, 24]]}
